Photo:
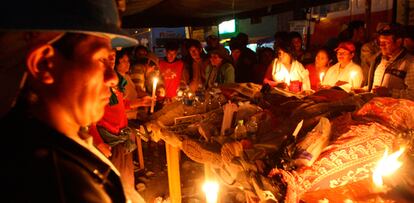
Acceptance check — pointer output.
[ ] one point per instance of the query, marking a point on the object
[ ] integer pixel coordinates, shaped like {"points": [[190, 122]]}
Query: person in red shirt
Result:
{"points": [[171, 70], [318, 69]]}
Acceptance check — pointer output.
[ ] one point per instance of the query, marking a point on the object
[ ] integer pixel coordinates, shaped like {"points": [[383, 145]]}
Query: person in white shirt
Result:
{"points": [[345, 74], [285, 71]]}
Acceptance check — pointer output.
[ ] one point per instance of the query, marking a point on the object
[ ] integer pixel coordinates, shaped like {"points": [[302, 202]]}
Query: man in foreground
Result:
{"points": [[59, 53]]}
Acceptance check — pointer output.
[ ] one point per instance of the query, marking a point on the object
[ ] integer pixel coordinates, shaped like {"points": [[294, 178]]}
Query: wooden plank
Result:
{"points": [[173, 167], [140, 153]]}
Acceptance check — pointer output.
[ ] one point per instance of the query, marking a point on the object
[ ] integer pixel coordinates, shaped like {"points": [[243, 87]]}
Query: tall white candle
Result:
{"points": [[321, 75], [353, 74], [154, 89]]}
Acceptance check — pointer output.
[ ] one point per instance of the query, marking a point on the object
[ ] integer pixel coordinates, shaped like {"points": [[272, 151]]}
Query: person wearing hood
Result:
{"points": [[220, 70]]}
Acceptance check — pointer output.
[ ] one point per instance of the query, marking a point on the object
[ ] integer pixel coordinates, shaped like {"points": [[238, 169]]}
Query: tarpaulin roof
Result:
{"points": [[175, 13]]}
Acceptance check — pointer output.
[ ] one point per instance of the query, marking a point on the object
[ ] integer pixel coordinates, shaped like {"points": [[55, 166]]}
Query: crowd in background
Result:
{"points": [[344, 61]]}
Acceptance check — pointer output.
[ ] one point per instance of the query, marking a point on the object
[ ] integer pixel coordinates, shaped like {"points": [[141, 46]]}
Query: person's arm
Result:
{"points": [[407, 93], [139, 102], [268, 79], [304, 74], [229, 73]]}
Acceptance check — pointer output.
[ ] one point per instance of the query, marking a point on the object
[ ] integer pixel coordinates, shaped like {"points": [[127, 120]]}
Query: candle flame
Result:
{"points": [[211, 189], [353, 74], [155, 81], [387, 166], [282, 75], [321, 75]]}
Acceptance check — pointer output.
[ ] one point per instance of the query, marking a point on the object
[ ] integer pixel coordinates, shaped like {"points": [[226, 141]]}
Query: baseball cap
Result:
{"points": [[347, 46]]}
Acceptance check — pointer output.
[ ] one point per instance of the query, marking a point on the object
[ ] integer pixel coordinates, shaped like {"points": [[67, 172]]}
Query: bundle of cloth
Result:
{"points": [[343, 168], [341, 139]]}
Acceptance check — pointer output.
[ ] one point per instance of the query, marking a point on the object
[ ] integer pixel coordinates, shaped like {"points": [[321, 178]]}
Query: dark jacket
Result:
{"points": [[42, 165]]}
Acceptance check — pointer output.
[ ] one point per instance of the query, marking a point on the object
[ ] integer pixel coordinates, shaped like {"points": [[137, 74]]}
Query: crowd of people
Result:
{"points": [[345, 62]]}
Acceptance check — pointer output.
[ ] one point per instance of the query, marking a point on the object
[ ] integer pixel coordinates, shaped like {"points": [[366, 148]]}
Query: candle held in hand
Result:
{"points": [[321, 75], [154, 89], [352, 75]]}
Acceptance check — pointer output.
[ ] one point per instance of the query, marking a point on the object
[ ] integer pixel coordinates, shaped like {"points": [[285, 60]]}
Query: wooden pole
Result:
{"points": [[140, 153], [368, 5], [173, 166]]}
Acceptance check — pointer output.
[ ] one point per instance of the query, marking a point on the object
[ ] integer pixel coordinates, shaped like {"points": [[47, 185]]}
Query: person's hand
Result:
{"points": [[281, 85], [323, 87], [105, 149], [140, 102], [340, 83], [382, 91], [146, 101], [359, 90]]}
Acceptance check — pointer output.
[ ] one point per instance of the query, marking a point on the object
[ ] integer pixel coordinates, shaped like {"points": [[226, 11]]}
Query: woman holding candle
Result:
{"points": [[318, 69], [286, 72], [122, 66], [344, 74]]}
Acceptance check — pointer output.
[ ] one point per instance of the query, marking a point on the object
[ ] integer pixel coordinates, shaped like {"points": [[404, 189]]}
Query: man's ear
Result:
{"points": [[39, 63]]}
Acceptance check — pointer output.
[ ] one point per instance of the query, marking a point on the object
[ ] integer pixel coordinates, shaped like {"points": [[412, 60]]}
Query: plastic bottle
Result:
{"points": [[240, 131]]}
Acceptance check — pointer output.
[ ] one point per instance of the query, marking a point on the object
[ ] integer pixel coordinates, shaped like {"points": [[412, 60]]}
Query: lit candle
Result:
{"points": [[353, 74], [321, 76], [386, 167], [211, 188], [154, 88]]}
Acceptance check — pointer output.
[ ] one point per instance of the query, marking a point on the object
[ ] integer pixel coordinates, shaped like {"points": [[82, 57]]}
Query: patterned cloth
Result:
{"points": [[357, 143]]}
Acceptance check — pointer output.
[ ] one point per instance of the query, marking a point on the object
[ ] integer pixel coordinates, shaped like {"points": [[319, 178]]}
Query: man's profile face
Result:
{"points": [[82, 84]]}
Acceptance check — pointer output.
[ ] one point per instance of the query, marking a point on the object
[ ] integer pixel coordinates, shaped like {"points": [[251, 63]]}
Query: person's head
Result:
{"points": [[296, 40], [409, 38], [390, 39], [265, 55], [219, 56], [140, 51], [65, 55], [194, 48], [235, 47], [285, 53], [357, 31], [75, 75], [171, 51], [280, 37], [212, 41], [122, 63], [345, 52], [322, 58], [243, 39]]}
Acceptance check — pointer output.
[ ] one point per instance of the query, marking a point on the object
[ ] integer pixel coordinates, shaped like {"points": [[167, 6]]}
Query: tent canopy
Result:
{"points": [[176, 13]]}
